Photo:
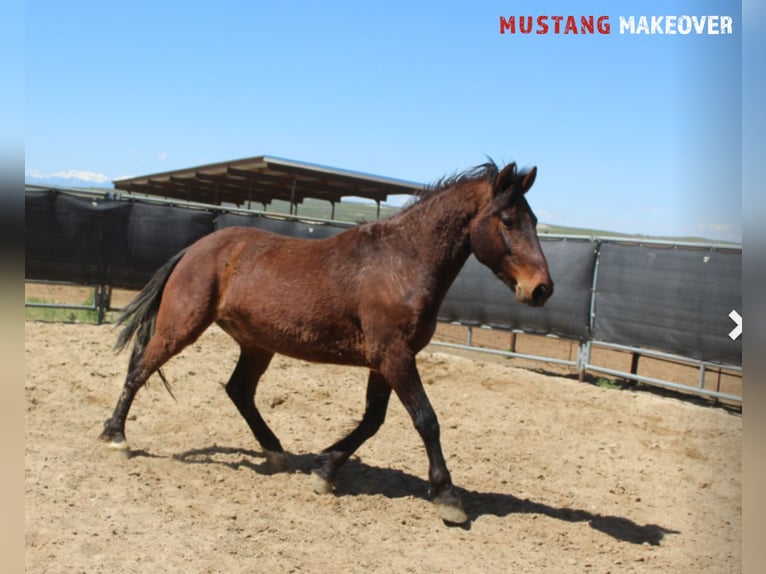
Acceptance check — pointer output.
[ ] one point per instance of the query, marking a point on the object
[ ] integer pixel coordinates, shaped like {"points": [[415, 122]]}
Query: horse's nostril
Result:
{"points": [[541, 293]]}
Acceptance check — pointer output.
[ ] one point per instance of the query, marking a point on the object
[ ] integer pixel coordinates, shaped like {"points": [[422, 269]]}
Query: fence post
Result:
{"points": [[583, 359], [103, 295]]}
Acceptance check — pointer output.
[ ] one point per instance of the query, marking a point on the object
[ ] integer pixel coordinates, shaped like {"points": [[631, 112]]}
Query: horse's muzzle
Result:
{"points": [[537, 296]]}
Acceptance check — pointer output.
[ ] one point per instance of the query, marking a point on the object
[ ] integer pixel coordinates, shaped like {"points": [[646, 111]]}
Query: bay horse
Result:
{"points": [[368, 297]]}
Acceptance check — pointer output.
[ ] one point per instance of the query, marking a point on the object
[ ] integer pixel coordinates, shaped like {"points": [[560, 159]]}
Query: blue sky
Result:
{"points": [[637, 134]]}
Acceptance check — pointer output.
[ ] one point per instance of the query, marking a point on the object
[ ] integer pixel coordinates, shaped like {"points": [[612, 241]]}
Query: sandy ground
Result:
{"points": [[556, 476]]}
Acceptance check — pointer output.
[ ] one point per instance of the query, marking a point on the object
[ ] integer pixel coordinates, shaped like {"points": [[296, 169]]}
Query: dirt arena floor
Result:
{"points": [[556, 475]]}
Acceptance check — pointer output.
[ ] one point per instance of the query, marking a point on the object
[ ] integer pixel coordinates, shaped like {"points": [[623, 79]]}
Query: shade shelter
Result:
{"points": [[263, 179]]}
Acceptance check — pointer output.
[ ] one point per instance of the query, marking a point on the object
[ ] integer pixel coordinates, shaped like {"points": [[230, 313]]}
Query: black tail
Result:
{"points": [[140, 315]]}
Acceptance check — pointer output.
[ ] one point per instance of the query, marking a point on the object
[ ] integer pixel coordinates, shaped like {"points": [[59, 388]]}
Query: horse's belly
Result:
{"points": [[301, 341]]}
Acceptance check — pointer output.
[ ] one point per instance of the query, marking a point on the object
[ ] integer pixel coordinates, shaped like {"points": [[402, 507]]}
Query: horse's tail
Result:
{"points": [[139, 315]]}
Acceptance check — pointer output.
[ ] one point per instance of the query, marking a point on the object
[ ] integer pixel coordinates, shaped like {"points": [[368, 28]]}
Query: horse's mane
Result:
{"points": [[485, 171]]}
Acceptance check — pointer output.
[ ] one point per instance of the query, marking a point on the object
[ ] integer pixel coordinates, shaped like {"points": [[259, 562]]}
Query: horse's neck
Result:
{"points": [[438, 229]]}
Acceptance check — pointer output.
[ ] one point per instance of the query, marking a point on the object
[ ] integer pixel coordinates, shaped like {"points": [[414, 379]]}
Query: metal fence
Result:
{"points": [[669, 300]]}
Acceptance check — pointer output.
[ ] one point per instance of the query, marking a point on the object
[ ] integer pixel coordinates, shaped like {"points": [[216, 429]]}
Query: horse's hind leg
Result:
{"points": [[114, 427], [331, 459], [241, 390], [167, 341], [143, 363]]}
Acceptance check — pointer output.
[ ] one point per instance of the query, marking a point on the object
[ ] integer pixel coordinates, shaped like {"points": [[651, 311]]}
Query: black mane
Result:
{"points": [[488, 170], [485, 171]]}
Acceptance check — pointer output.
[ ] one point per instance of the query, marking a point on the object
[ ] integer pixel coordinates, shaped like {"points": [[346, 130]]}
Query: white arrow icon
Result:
{"points": [[736, 331]]}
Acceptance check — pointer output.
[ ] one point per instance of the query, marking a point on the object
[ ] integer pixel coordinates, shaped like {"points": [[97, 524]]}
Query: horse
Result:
{"points": [[368, 296]]}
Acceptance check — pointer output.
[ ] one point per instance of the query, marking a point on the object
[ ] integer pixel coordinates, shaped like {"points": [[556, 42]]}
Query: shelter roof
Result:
{"points": [[262, 179]]}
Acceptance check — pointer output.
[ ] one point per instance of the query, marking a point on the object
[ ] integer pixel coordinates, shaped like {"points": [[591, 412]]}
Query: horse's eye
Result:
{"points": [[507, 220]]}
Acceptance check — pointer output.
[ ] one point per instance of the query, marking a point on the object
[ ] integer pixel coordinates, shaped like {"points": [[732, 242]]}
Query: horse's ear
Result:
{"points": [[505, 178], [528, 180]]}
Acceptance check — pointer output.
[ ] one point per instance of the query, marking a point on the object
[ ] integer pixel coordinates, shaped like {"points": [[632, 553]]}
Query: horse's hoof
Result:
{"points": [[451, 511], [278, 461], [120, 448], [321, 485]]}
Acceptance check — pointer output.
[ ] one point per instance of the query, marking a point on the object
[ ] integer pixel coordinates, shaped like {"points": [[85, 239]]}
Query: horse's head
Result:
{"points": [[504, 237]]}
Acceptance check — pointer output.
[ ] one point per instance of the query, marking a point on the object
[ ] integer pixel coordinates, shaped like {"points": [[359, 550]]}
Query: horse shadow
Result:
{"points": [[359, 479]]}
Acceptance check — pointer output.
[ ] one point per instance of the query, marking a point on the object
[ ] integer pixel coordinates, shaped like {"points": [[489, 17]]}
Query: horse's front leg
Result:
{"points": [[406, 382], [331, 459]]}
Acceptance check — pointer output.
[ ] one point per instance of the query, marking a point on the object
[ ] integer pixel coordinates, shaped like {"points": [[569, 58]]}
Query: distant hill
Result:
{"points": [[546, 229]]}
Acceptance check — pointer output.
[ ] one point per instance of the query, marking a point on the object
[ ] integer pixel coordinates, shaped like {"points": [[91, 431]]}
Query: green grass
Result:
{"points": [[606, 383], [57, 315]]}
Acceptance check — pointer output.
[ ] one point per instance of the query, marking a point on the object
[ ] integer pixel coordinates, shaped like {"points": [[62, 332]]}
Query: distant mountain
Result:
{"points": [[70, 178]]}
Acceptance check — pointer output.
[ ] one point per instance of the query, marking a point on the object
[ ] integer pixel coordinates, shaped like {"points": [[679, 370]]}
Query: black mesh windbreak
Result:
{"points": [[104, 241], [154, 234], [72, 239], [672, 299], [478, 297]]}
